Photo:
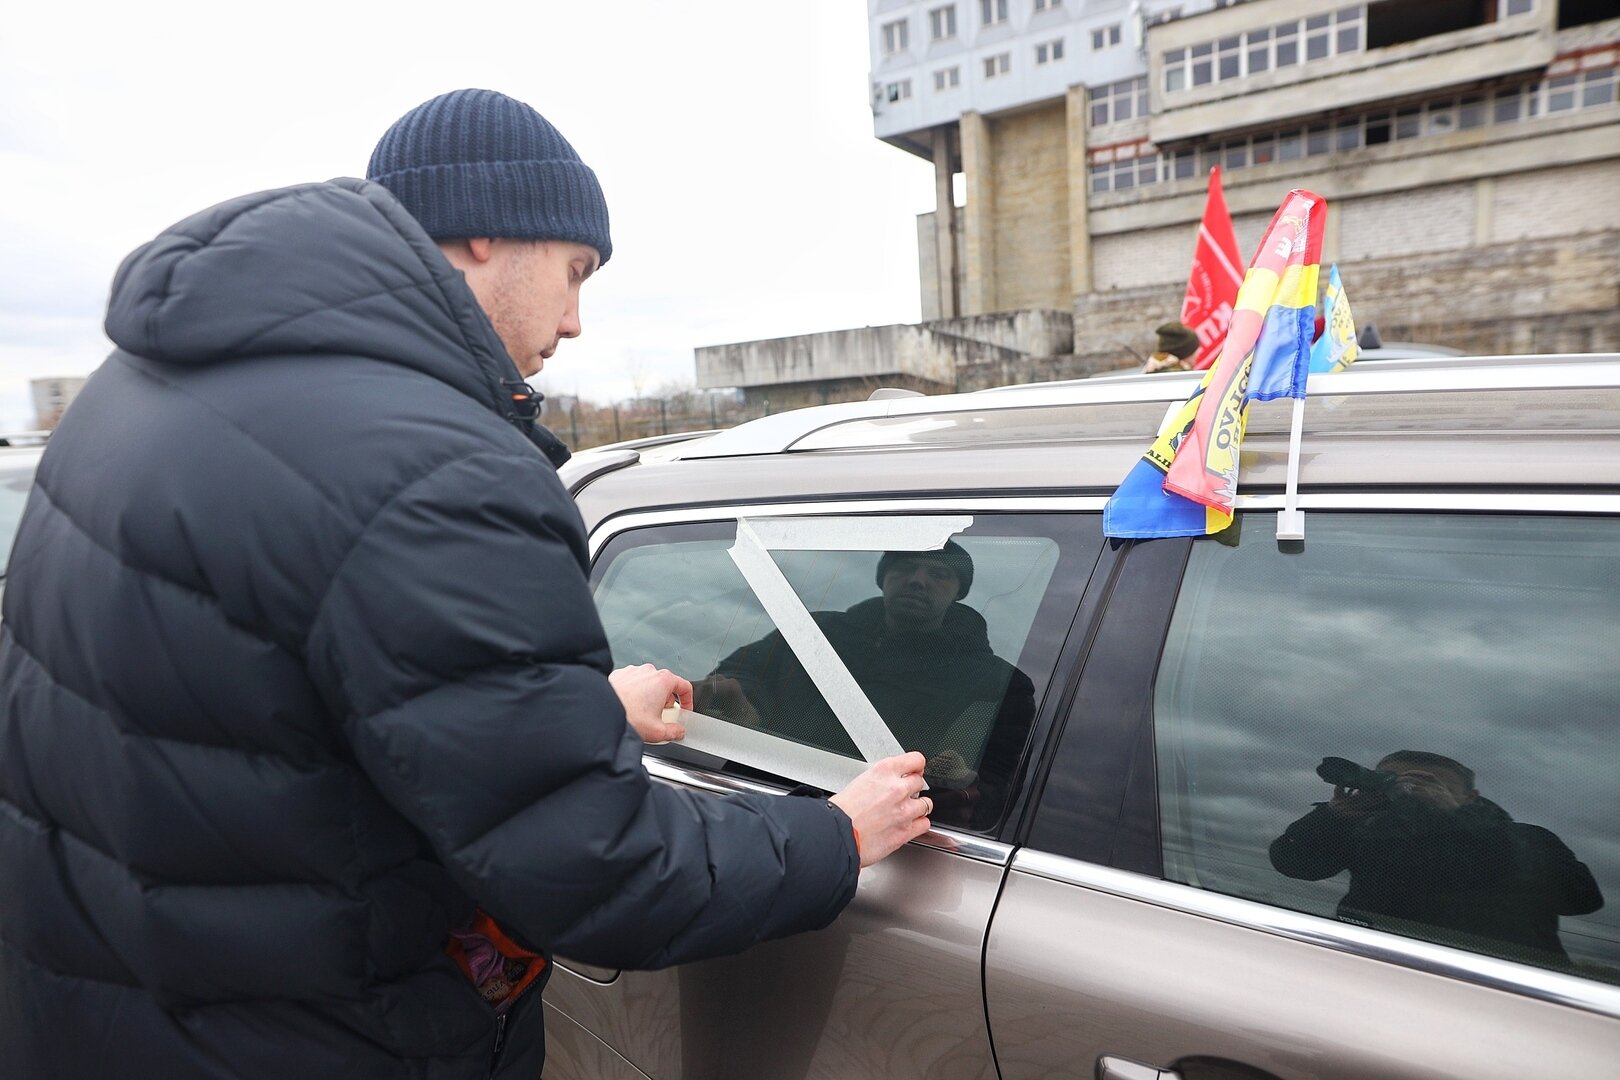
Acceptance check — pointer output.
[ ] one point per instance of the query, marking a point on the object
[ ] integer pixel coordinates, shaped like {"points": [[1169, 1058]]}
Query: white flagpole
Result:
{"points": [[1291, 519]]}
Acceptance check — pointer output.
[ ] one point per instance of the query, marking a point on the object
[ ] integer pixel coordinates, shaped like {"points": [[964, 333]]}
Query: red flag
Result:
{"points": [[1217, 272]]}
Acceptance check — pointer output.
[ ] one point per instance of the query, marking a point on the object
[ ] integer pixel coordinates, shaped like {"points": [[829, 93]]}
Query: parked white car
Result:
{"points": [[17, 465]]}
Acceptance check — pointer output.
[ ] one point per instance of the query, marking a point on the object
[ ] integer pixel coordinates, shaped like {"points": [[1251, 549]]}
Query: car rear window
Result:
{"points": [[1407, 722]]}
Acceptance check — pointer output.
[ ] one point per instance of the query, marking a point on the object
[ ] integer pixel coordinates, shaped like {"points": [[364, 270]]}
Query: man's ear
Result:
{"points": [[465, 254]]}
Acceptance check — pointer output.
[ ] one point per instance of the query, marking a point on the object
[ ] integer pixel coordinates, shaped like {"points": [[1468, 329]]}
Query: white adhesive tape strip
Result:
{"points": [[858, 534], [845, 697], [762, 750]]}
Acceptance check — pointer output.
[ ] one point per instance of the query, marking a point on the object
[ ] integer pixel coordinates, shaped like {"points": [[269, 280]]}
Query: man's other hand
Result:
{"points": [[884, 806], [646, 692]]}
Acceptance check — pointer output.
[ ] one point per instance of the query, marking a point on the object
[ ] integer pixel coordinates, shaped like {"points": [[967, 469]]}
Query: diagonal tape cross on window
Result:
{"points": [[756, 539]]}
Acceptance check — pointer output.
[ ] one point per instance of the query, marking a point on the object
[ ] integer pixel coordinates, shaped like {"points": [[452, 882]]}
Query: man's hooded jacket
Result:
{"points": [[300, 665]]}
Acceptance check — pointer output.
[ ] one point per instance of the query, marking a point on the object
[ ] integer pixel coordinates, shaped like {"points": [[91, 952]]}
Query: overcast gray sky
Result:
{"points": [[733, 139]]}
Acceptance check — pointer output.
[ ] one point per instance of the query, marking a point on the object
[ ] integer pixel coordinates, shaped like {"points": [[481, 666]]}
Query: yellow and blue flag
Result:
{"points": [[1337, 348], [1186, 483]]}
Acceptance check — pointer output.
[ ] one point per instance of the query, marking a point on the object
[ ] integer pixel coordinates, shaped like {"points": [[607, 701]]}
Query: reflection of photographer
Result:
{"points": [[1423, 846]]}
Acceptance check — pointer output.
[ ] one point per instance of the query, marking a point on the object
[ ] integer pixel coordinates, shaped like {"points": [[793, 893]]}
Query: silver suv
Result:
{"points": [[1226, 807]]}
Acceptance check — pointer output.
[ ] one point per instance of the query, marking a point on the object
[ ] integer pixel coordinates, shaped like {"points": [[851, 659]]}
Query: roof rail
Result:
{"points": [[782, 431]]}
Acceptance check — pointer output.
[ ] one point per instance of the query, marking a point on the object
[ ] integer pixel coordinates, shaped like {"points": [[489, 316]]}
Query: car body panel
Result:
{"points": [[573, 1051], [1075, 973], [891, 989]]}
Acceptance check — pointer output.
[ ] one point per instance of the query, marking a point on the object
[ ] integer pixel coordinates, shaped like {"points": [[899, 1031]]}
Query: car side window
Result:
{"points": [[1408, 722], [948, 640]]}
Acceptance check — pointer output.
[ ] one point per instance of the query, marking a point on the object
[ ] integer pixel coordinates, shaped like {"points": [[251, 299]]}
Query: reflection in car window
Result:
{"points": [[952, 647], [1408, 723]]}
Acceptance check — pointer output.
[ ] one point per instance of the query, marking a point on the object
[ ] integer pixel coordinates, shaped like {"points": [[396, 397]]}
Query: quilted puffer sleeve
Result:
{"points": [[459, 645]]}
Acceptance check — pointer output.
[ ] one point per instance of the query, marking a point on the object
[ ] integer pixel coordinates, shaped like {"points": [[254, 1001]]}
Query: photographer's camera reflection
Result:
{"points": [[1426, 850]]}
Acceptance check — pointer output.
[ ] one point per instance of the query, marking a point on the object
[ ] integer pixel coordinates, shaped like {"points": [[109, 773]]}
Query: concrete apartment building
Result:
{"points": [[1469, 151]]}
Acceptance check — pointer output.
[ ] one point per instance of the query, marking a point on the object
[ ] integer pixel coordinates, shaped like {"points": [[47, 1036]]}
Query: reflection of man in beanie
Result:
{"points": [[920, 586], [922, 658], [337, 685], [1177, 344]]}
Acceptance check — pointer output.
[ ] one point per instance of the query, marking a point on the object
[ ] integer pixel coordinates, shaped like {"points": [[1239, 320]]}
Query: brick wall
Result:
{"points": [[1031, 212], [1557, 202], [1406, 223], [1146, 257], [1560, 294], [1162, 256], [1552, 295]]}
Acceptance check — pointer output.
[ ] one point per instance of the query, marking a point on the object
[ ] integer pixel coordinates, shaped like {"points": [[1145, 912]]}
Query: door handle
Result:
{"points": [[1113, 1068]]}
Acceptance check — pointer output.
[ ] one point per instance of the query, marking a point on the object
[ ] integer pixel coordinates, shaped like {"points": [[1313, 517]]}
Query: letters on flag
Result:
{"points": [[1186, 484], [1217, 272], [1337, 348]]}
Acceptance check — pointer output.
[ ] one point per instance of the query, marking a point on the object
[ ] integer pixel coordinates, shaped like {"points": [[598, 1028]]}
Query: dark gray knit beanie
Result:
{"points": [[952, 555], [478, 163]]}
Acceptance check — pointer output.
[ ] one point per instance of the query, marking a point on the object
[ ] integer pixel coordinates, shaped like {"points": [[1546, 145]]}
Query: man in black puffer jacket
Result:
{"points": [[304, 705]]}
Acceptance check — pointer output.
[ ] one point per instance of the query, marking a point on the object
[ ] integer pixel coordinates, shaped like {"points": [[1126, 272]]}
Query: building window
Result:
{"points": [[1258, 46], [1105, 36], [1048, 5], [898, 91], [1117, 101], [1346, 31], [1203, 71], [1175, 70], [992, 12], [1287, 36], [1517, 7], [1049, 51], [947, 78], [1121, 168], [896, 37], [1240, 55], [1317, 37], [1561, 93], [998, 64], [1228, 58], [942, 23], [1117, 168], [1597, 87]]}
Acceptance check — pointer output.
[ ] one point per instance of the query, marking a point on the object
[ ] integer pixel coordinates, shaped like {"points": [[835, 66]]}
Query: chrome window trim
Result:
{"points": [[1488, 971], [1523, 502], [775, 434], [674, 772], [1502, 502], [614, 525]]}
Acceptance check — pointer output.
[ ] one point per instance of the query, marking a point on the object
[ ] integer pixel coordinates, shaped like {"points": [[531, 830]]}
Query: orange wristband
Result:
{"points": [[857, 833]]}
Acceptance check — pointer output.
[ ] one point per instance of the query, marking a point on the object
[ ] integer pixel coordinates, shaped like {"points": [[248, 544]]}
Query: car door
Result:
{"points": [[893, 987], [1194, 899]]}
